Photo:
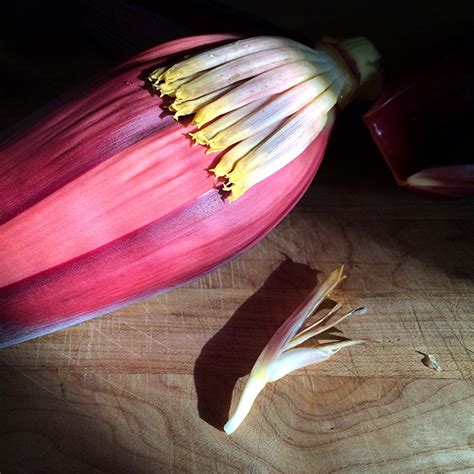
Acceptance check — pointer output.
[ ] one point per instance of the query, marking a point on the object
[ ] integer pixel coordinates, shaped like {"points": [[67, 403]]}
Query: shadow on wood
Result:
{"points": [[53, 422], [231, 353]]}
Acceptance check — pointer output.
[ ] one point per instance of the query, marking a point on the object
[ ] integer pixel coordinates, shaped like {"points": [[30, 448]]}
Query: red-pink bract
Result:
{"points": [[422, 124], [106, 200]]}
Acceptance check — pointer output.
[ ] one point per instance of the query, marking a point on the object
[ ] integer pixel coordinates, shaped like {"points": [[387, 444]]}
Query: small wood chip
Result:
{"points": [[430, 361]]}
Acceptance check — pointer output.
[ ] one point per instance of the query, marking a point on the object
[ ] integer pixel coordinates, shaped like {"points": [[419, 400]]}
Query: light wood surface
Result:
{"points": [[147, 388]]}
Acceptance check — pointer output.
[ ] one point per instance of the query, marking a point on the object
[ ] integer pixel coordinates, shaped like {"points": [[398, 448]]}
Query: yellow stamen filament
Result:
{"points": [[169, 88], [190, 106], [210, 131], [228, 160]]}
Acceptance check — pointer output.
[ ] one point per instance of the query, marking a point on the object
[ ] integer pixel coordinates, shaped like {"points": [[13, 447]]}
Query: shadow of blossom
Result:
{"points": [[231, 353]]}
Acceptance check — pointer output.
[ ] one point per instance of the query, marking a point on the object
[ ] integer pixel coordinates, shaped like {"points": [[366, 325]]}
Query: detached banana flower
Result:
{"points": [[283, 355], [105, 200]]}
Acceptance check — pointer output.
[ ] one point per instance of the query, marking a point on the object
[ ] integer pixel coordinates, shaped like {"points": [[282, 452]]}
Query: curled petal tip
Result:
{"points": [[359, 311], [448, 180], [339, 273]]}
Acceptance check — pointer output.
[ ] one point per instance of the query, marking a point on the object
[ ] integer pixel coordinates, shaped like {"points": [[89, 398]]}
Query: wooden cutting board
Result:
{"points": [[148, 388]]}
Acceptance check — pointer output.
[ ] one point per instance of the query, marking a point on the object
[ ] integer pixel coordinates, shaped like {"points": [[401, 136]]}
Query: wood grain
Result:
{"points": [[147, 389], [92, 422]]}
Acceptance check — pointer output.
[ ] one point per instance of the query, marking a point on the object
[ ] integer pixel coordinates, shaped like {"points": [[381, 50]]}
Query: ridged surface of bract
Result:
{"points": [[105, 200]]}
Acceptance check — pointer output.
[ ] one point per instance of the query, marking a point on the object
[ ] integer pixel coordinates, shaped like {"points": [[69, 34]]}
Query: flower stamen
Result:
{"points": [[255, 94]]}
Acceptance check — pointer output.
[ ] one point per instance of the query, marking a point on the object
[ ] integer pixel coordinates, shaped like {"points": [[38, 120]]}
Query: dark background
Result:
{"points": [[48, 47]]}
